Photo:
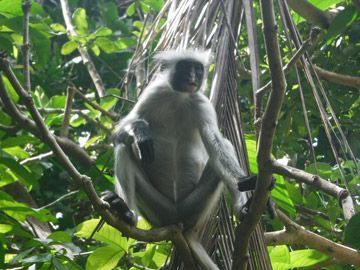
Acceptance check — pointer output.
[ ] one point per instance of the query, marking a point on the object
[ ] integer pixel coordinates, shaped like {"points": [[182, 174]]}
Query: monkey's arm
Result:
{"points": [[136, 132], [222, 155]]}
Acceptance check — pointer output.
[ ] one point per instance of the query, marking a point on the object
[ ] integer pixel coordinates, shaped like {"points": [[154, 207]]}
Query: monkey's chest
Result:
{"points": [[178, 165]]}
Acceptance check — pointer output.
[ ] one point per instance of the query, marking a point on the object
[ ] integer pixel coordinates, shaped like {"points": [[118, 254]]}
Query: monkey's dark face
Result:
{"points": [[188, 76]]}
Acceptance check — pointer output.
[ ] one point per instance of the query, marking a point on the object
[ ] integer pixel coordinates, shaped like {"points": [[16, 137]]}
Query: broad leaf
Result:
{"points": [[104, 258]]}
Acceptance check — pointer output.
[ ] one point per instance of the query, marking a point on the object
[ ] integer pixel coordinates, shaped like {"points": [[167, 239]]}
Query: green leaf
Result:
{"points": [[102, 32], [96, 50], [324, 4], [341, 22], [125, 43], [251, 151], [60, 236], [280, 257], [40, 44], [107, 45], [80, 21], [6, 177], [45, 257], [58, 265], [351, 233], [131, 10], [20, 171], [20, 140], [155, 4], [306, 258], [57, 102], [12, 8], [77, 121], [322, 169], [108, 103], [13, 95], [104, 258], [107, 234], [58, 28], [20, 211], [92, 141], [69, 47], [5, 228], [282, 197], [17, 152]]}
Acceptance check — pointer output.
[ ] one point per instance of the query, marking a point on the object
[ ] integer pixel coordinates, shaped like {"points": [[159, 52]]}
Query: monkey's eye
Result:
{"points": [[164, 66]]}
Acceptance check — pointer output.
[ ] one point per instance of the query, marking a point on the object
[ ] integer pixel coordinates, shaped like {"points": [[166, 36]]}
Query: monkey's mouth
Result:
{"points": [[191, 87]]}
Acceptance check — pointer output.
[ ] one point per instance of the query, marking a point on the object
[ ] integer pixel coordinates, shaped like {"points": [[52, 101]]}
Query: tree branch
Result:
{"points": [[26, 7], [338, 78], [341, 194], [99, 85], [266, 135], [64, 130], [69, 146], [311, 13], [295, 234], [112, 115]]}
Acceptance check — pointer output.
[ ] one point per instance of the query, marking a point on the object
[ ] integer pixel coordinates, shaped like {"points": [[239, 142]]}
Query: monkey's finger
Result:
{"points": [[108, 196], [147, 151]]}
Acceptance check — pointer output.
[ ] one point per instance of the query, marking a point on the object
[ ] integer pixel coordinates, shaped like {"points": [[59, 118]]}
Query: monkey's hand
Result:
{"points": [[249, 183], [119, 206], [137, 134], [143, 140]]}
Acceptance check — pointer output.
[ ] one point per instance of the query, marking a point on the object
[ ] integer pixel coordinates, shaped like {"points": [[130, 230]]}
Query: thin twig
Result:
{"points": [[26, 7], [37, 158], [303, 49], [112, 115], [99, 85], [9, 129], [63, 197], [64, 130]]}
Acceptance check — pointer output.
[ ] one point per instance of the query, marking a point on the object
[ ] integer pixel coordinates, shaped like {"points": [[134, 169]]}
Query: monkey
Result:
{"points": [[171, 160]]}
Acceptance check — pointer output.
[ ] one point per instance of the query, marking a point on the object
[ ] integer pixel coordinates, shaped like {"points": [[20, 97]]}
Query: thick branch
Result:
{"points": [[266, 136], [311, 13], [316, 181], [338, 78], [295, 234], [99, 85]]}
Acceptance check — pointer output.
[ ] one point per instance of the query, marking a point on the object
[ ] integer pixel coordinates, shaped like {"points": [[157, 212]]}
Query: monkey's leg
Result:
{"points": [[134, 187], [198, 199]]}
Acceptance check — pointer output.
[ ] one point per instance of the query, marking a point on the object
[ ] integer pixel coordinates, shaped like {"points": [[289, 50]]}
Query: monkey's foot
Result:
{"points": [[119, 206]]}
